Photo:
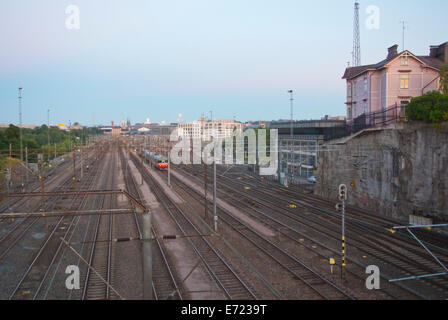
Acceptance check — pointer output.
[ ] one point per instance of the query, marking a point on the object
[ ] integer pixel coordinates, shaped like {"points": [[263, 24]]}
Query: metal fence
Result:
{"points": [[393, 114]]}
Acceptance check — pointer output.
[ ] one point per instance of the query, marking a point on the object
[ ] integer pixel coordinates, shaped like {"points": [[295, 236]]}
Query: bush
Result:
{"points": [[431, 108]]}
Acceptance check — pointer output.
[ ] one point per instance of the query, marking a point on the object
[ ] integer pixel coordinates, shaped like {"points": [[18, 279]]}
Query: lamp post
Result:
{"points": [[20, 126], [48, 133], [292, 114], [215, 217], [291, 98], [70, 133]]}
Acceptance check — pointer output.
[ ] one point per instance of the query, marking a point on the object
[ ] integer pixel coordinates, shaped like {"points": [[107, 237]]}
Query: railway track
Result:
{"points": [[326, 222], [321, 287], [377, 242], [165, 283], [21, 203], [356, 215], [224, 276], [100, 255], [33, 278], [35, 185], [22, 225]]}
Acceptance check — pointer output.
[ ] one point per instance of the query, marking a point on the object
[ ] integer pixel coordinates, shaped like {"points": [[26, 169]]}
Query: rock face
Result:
{"points": [[395, 171]]}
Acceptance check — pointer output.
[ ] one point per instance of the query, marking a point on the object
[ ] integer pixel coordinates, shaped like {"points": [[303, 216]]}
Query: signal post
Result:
{"points": [[341, 208]]}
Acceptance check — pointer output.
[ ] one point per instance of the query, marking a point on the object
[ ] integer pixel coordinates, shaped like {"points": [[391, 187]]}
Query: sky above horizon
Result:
{"points": [[141, 59]]}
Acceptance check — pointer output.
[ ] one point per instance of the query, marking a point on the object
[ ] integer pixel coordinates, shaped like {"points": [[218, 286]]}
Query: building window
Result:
{"points": [[365, 84], [354, 88], [404, 61], [365, 107], [349, 112], [404, 81], [349, 90]]}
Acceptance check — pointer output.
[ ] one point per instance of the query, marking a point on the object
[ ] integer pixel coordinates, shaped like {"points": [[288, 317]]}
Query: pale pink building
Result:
{"points": [[392, 82]]}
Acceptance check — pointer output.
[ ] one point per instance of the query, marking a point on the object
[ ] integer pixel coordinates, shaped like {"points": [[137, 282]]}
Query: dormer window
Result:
{"points": [[404, 60]]}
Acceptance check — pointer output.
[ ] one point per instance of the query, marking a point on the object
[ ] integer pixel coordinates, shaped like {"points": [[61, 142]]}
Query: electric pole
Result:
{"points": [[212, 137], [169, 170], [26, 166], [205, 192], [20, 128], [48, 133], [288, 168], [70, 134]]}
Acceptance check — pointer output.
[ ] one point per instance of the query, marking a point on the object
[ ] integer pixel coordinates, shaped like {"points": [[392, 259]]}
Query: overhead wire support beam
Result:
{"points": [[78, 193], [444, 267]]}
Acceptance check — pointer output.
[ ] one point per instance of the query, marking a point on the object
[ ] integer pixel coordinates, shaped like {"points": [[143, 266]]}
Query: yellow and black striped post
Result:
{"points": [[343, 258], [343, 198], [344, 264]]}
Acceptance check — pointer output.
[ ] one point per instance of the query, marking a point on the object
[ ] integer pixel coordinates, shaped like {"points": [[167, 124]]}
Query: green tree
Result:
{"points": [[12, 133], [431, 108], [444, 79]]}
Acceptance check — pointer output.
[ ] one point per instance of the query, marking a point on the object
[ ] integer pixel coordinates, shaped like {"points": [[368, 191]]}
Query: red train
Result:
{"points": [[157, 160]]}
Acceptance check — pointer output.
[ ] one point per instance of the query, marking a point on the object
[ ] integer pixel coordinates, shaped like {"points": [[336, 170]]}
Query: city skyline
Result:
{"points": [[157, 60]]}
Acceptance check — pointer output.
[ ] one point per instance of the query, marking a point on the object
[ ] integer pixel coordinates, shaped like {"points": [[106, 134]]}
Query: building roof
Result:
{"points": [[432, 62], [353, 72]]}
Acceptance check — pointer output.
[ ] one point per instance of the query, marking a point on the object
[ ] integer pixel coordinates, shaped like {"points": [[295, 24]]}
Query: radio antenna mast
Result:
{"points": [[356, 55]]}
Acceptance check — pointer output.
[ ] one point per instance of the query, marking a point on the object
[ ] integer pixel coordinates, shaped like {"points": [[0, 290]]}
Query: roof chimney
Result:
{"points": [[440, 52], [392, 51], [444, 48], [433, 50]]}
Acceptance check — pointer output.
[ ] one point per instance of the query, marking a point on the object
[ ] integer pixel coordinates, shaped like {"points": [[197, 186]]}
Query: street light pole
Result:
{"points": [[20, 127], [292, 112], [70, 134], [48, 125], [215, 217], [291, 92]]}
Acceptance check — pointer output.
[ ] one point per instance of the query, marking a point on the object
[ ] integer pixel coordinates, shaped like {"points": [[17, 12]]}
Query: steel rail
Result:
{"points": [[93, 251], [158, 289], [172, 209], [371, 248], [67, 183], [262, 244], [44, 246], [91, 177]]}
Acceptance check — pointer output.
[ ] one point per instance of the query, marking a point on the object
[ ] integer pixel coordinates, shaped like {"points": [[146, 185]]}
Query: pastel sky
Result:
{"points": [[144, 58]]}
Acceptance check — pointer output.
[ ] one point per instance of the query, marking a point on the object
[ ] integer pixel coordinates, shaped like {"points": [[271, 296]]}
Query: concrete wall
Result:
{"points": [[397, 170]]}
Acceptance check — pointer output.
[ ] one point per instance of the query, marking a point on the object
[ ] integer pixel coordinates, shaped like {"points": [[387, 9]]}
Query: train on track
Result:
{"points": [[159, 161]]}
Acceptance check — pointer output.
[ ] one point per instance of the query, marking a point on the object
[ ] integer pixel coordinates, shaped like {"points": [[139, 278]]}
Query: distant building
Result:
{"points": [[143, 130], [298, 155], [203, 128], [113, 131], [339, 118], [162, 129], [255, 124], [310, 129], [393, 81]]}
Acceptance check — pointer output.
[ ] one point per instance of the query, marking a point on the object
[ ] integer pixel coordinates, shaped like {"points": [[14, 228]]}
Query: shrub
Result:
{"points": [[431, 108]]}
